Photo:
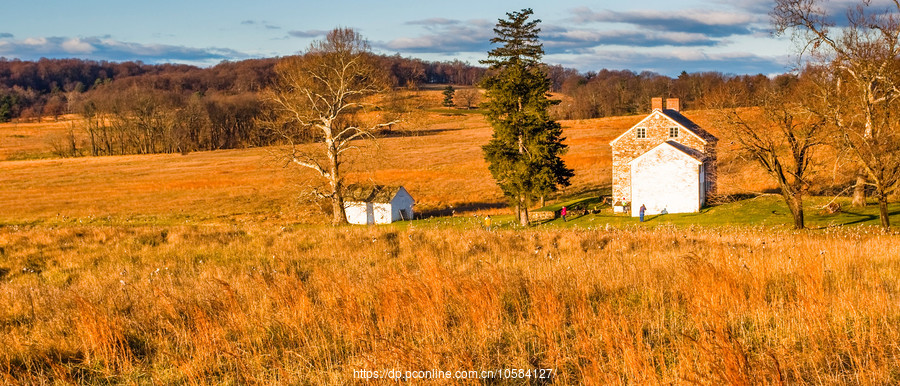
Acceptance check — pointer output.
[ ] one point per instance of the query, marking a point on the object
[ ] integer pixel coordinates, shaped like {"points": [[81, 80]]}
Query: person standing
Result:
{"points": [[487, 223], [563, 213], [641, 211]]}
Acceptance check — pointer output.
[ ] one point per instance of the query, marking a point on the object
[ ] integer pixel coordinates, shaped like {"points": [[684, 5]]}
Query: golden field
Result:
{"points": [[206, 268], [440, 162], [261, 304]]}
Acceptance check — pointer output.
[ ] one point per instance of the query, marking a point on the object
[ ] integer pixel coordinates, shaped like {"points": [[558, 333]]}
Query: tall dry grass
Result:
{"points": [[256, 304]]}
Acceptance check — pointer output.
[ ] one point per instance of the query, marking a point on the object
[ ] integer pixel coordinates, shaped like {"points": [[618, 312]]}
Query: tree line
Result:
{"points": [[615, 93], [137, 108], [52, 87]]}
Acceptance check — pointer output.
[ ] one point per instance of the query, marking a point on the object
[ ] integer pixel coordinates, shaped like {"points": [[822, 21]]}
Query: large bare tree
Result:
{"points": [[324, 101], [781, 135], [862, 53]]}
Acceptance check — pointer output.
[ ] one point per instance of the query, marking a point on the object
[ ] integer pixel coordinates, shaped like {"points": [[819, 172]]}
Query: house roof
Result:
{"points": [[679, 120], [694, 155], [683, 121], [371, 193]]}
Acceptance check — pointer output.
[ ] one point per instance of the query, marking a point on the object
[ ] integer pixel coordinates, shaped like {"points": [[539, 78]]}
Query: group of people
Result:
{"points": [[565, 211]]}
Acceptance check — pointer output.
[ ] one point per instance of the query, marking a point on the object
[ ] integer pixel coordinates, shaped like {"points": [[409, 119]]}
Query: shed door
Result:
{"points": [[370, 213]]}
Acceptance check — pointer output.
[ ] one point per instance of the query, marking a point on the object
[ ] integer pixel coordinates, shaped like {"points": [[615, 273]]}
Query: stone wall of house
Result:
{"points": [[629, 147], [711, 165]]}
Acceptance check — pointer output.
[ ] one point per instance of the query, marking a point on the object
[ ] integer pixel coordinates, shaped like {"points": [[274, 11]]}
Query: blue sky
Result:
{"points": [[662, 36]]}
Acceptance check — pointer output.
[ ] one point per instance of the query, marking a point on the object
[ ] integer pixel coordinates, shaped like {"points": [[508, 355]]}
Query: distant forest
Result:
{"points": [[137, 108], [51, 87]]}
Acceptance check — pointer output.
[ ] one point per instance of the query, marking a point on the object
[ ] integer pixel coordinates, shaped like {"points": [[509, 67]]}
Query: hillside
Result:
{"points": [[438, 158], [441, 164]]}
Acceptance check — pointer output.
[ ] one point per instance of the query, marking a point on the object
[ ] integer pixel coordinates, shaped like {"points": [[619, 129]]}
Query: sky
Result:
{"points": [[667, 37]]}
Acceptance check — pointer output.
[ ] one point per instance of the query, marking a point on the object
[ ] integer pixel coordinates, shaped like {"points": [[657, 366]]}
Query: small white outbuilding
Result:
{"points": [[377, 204]]}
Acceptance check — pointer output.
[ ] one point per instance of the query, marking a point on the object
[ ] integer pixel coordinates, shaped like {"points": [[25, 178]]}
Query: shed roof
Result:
{"points": [[371, 193]]}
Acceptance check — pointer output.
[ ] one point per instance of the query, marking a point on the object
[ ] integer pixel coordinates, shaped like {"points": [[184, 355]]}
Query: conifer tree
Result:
{"points": [[448, 96], [524, 152]]}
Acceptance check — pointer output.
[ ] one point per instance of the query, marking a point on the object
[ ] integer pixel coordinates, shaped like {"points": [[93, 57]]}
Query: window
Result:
{"points": [[673, 132], [641, 132]]}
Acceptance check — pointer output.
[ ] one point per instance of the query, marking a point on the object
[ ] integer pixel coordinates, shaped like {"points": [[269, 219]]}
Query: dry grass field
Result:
{"points": [[31, 139], [441, 165], [440, 162], [259, 304], [206, 268]]}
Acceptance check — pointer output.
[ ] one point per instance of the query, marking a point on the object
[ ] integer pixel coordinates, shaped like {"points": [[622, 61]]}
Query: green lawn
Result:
{"points": [[766, 210]]}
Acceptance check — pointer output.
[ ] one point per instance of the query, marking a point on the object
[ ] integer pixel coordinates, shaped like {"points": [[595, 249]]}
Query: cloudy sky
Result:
{"points": [[730, 36]]}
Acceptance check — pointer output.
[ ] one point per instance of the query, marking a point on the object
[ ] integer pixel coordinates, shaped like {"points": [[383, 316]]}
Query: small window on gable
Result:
{"points": [[673, 132], [641, 132]]}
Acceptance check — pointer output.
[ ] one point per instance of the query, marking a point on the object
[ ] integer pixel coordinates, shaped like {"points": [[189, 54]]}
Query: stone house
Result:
{"points": [[377, 204], [665, 162]]}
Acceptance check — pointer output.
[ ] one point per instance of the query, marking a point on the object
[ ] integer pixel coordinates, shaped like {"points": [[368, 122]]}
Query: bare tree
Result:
{"points": [[468, 97], [781, 135], [327, 96], [862, 56], [869, 131]]}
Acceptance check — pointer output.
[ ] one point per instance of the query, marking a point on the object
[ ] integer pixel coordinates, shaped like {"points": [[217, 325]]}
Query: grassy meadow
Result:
{"points": [[257, 304], [207, 268]]}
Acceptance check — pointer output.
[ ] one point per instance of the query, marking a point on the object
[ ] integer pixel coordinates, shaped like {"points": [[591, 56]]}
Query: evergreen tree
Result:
{"points": [[448, 96], [523, 154]]}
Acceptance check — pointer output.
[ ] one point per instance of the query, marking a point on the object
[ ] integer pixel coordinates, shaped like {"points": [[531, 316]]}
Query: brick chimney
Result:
{"points": [[656, 104], [673, 104]]}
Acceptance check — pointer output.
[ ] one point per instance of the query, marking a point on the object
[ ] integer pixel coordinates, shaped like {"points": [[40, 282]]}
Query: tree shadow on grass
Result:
{"points": [[864, 217], [414, 133], [721, 199], [464, 208]]}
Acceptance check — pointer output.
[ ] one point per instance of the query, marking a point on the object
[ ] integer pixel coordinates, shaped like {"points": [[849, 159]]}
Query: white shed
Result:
{"points": [[670, 177], [377, 204]]}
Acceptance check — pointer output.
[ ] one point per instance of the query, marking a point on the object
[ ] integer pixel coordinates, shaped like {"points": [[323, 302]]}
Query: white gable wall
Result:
{"points": [[665, 178], [402, 201], [359, 212], [380, 213], [364, 213]]}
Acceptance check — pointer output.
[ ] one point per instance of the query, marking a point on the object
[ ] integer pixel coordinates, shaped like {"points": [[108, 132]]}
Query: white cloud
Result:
{"points": [[77, 46], [672, 62], [447, 37], [35, 41], [106, 48], [313, 33]]}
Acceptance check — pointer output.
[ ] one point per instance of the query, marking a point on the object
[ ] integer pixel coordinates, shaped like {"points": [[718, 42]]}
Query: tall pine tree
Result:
{"points": [[523, 154]]}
